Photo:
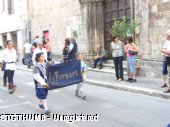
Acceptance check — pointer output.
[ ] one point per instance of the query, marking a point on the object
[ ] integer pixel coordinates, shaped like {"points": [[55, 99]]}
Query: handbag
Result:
{"points": [[133, 52], [168, 60]]}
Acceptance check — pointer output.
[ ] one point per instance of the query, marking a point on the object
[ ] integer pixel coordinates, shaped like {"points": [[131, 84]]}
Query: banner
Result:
{"points": [[64, 74]]}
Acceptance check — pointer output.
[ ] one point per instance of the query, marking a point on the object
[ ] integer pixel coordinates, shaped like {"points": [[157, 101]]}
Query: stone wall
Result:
{"points": [[60, 18], [154, 17], [159, 23]]}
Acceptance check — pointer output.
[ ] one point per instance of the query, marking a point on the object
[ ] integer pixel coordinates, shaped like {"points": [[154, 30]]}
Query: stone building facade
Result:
{"points": [[154, 17], [14, 23], [92, 19]]}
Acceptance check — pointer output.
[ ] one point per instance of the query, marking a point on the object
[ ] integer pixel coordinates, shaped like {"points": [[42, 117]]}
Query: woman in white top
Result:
{"points": [[117, 48], [9, 58]]}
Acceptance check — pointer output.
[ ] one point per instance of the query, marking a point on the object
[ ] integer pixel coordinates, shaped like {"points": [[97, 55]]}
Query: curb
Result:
{"points": [[145, 91], [105, 71]]}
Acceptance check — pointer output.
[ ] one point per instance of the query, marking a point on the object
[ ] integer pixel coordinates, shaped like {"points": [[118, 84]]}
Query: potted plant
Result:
{"points": [[121, 29], [74, 34]]}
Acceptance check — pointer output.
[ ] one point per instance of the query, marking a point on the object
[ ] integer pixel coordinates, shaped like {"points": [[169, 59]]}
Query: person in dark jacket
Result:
{"points": [[66, 50], [72, 50]]}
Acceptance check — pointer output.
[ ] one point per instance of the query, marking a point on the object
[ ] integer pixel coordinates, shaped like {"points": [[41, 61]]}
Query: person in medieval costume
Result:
{"points": [[9, 58], [79, 91], [40, 80]]}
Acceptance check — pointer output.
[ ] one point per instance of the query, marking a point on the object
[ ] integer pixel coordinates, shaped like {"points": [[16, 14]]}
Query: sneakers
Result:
{"points": [[11, 91], [116, 79], [164, 86], [77, 95], [84, 97], [120, 79], [132, 80], [47, 112], [41, 106], [129, 79]]}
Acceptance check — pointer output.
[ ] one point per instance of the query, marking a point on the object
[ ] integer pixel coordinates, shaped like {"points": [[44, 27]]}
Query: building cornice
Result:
{"points": [[90, 1]]}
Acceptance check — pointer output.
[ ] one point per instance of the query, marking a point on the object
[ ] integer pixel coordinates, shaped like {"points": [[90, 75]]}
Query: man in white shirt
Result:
{"points": [[39, 49], [9, 58], [27, 54]]}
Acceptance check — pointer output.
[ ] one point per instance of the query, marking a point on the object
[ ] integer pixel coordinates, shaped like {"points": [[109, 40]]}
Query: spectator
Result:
{"points": [[39, 49], [35, 42], [101, 55], [44, 41], [27, 54], [48, 49], [66, 50], [72, 50], [166, 62], [117, 48], [131, 52]]}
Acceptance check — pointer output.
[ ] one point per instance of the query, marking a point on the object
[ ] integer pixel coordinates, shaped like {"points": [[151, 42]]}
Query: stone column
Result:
{"points": [[142, 14], [19, 45], [9, 36], [89, 27], [94, 23], [100, 25]]}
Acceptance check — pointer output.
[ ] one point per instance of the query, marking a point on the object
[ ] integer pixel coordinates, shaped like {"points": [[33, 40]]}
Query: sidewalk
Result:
{"points": [[147, 86]]}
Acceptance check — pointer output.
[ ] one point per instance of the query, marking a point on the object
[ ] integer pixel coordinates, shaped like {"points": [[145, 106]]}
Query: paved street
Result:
{"points": [[114, 108]]}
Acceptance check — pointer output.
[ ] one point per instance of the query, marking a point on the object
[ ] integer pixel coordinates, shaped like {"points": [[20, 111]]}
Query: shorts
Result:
{"points": [[131, 64], [41, 93]]}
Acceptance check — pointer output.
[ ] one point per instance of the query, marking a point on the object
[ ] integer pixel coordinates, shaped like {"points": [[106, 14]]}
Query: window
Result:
{"points": [[10, 6]]}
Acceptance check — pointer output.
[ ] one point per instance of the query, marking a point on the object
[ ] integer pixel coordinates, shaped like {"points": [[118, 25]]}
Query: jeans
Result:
{"points": [[118, 63], [49, 56], [100, 60], [27, 59], [131, 64]]}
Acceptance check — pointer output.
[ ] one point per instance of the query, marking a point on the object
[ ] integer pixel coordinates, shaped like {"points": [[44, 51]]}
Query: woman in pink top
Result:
{"points": [[131, 52]]}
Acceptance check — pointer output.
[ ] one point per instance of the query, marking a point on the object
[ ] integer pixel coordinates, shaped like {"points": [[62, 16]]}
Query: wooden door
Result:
{"points": [[114, 9]]}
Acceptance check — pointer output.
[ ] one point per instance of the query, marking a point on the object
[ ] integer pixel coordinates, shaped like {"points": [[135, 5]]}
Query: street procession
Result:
{"points": [[85, 63]]}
